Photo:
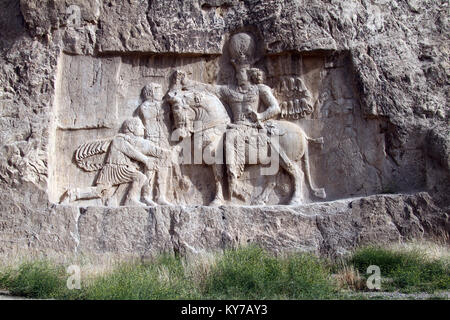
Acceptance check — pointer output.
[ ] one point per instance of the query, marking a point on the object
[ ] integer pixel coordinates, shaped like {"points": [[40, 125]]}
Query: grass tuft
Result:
{"points": [[253, 273], [38, 279], [163, 278], [409, 270], [243, 273]]}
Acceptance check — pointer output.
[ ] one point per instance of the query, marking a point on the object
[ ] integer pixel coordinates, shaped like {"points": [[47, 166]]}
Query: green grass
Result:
{"points": [[409, 271], [252, 273], [163, 278], [39, 279], [244, 273]]}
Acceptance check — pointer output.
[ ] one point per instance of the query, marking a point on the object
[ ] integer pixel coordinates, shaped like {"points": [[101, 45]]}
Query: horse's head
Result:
{"points": [[195, 110], [183, 114]]}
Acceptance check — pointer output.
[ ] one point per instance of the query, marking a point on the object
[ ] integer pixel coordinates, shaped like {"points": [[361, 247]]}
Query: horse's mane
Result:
{"points": [[197, 107]]}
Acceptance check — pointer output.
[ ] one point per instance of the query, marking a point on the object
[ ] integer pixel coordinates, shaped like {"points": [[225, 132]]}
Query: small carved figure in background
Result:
{"points": [[296, 99]]}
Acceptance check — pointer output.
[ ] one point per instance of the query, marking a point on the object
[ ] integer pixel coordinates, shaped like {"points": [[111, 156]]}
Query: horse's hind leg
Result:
{"points": [[296, 174], [318, 192]]}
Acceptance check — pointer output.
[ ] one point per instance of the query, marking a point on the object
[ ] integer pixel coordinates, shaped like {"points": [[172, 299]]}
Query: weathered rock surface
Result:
{"points": [[332, 228], [399, 56]]}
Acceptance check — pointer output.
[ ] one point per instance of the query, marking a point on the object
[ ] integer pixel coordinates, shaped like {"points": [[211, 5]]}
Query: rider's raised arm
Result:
{"points": [[269, 100]]}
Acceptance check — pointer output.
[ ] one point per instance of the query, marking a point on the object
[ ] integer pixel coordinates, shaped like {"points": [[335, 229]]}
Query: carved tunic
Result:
{"points": [[118, 166], [151, 112]]}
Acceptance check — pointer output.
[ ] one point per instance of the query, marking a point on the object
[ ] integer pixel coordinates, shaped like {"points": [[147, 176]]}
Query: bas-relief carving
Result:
{"points": [[244, 99], [238, 129], [118, 167]]}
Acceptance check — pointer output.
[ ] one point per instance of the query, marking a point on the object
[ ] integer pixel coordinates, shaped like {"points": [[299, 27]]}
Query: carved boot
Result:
{"points": [[134, 194], [134, 203], [149, 201], [161, 197]]}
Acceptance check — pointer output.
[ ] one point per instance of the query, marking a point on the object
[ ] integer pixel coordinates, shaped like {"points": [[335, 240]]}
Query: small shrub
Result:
{"points": [[5, 278], [38, 279], [244, 273]]}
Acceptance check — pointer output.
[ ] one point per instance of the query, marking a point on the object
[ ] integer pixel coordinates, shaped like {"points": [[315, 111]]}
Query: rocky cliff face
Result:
{"points": [[398, 57]]}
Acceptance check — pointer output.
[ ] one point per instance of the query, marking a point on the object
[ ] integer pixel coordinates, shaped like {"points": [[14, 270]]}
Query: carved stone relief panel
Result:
{"points": [[128, 130]]}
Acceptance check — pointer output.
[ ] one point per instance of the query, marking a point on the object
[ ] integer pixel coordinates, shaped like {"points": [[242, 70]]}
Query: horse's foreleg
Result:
{"points": [[318, 192], [213, 155], [296, 174], [218, 171]]}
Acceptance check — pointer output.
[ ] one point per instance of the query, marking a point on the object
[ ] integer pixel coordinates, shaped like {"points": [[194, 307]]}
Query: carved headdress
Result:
{"points": [[242, 50]]}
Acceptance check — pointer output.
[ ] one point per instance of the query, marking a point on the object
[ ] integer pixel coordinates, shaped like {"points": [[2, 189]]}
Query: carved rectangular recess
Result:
{"points": [[95, 95]]}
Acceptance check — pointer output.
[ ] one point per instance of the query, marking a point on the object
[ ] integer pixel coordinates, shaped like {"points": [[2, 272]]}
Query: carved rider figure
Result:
{"points": [[151, 113], [244, 99]]}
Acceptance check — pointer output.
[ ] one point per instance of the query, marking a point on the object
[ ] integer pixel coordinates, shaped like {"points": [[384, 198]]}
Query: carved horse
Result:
{"points": [[195, 106], [201, 114]]}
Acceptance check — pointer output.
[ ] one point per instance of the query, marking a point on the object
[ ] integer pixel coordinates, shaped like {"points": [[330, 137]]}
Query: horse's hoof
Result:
{"points": [[295, 202], [259, 202], [240, 196], [216, 202], [135, 203], [149, 202], [164, 202], [320, 193]]}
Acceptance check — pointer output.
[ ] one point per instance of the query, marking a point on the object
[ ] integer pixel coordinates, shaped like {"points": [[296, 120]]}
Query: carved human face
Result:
{"points": [[149, 110], [152, 91], [242, 76], [158, 93], [257, 76]]}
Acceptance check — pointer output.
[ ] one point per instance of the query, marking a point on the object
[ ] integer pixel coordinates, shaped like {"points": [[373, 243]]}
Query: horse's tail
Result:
{"points": [[315, 140]]}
